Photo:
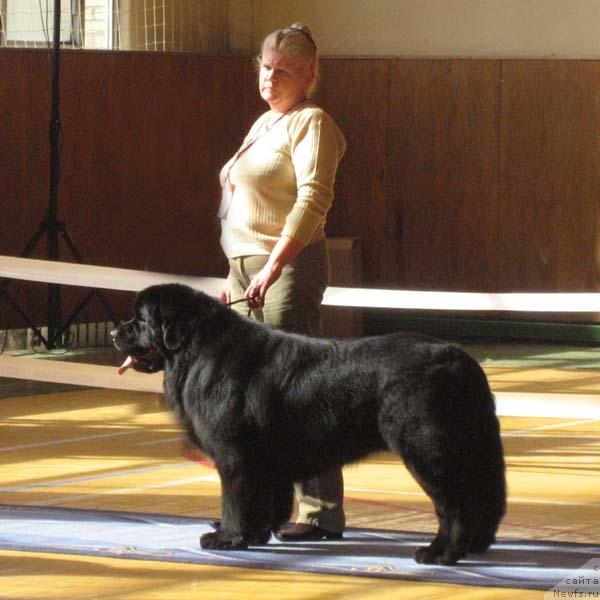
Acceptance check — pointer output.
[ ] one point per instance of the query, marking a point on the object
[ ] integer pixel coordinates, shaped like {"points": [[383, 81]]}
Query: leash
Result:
{"points": [[237, 302]]}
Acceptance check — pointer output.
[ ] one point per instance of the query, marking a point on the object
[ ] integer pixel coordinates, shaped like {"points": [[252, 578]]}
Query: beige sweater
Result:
{"points": [[283, 182]]}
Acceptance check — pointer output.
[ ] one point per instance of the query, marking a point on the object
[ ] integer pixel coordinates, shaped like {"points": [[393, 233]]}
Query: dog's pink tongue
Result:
{"points": [[126, 364]]}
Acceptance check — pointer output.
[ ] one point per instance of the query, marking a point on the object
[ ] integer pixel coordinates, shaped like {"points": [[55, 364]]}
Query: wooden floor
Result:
{"points": [[105, 449]]}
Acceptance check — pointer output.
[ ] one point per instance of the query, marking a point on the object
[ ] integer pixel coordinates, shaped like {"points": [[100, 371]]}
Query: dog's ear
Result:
{"points": [[174, 332], [177, 319], [178, 309]]}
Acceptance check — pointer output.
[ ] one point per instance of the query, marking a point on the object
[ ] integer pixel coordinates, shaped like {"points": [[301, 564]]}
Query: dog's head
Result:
{"points": [[164, 318]]}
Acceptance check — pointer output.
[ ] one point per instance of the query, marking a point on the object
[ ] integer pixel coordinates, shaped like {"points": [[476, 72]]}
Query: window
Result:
{"points": [[30, 23], [154, 25]]}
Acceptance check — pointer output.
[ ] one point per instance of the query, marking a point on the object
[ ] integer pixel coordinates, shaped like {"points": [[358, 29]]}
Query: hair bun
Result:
{"points": [[301, 27], [305, 31]]}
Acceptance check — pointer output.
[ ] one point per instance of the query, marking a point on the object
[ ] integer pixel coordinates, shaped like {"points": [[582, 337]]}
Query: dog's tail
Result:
{"points": [[470, 414], [488, 463]]}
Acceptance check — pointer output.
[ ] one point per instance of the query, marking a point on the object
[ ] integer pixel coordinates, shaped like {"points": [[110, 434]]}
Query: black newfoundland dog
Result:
{"points": [[271, 408]]}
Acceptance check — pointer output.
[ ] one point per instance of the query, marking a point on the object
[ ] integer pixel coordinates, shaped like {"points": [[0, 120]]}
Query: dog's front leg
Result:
{"points": [[246, 502]]}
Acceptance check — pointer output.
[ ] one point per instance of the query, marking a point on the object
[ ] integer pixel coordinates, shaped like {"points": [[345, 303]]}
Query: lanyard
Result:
{"points": [[262, 131], [227, 188]]}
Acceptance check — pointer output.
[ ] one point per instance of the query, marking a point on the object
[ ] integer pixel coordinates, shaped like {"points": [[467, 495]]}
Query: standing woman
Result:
{"points": [[277, 190]]}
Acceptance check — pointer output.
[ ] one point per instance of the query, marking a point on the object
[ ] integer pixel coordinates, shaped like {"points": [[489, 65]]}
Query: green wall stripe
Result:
{"points": [[482, 328]]}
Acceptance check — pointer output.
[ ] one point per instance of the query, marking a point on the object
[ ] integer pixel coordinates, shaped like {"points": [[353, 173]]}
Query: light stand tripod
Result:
{"points": [[51, 226]]}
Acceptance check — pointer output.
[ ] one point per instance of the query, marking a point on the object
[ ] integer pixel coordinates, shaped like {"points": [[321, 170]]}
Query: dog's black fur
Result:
{"points": [[270, 408]]}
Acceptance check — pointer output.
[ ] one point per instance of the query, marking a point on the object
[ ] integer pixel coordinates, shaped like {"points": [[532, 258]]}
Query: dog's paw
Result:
{"points": [[434, 556], [217, 541], [259, 539], [423, 556], [481, 543]]}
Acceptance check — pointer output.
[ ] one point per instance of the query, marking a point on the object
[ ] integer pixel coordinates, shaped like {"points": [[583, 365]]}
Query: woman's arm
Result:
{"points": [[284, 252], [316, 148], [225, 293]]}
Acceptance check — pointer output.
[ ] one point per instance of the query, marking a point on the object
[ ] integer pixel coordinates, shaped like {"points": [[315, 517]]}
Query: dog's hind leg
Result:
{"points": [[469, 510], [488, 486], [451, 542], [483, 539], [427, 454], [490, 513]]}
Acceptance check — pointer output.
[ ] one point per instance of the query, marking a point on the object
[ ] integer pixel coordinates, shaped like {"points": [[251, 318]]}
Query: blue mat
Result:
{"points": [[371, 553]]}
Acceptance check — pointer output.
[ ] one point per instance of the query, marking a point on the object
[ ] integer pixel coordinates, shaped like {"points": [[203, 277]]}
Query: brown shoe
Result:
{"points": [[302, 532]]}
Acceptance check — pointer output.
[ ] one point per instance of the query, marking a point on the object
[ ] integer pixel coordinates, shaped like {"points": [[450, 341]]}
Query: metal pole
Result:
{"points": [[54, 298]]}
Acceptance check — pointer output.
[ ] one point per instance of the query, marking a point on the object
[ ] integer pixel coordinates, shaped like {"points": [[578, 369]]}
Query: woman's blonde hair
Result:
{"points": [[296, 42]]}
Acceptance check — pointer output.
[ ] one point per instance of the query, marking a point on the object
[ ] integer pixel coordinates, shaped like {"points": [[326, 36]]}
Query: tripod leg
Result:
{"points": [[24, 316], [107, 307], [31, 244], [4, 283], [35, 238], [62, 228]]}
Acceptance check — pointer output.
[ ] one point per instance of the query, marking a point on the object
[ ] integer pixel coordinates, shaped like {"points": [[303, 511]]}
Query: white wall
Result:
{"points": [[240, 27], [444, 28]]}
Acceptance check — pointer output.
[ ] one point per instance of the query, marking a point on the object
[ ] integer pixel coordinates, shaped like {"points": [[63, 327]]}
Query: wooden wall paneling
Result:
{"points": [[548, 220], [24, 154], [152, 130], [250, 102], [443, 172], [450, 181], [144, 137], [24, 168], [355, 93]]}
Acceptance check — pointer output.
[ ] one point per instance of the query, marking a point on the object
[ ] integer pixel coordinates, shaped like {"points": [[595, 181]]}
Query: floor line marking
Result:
{"points": [[510, 498], [554, 426], [541, 436], [133, 432], [70, 440], [127, 490], [84, 478], [179, 438]]}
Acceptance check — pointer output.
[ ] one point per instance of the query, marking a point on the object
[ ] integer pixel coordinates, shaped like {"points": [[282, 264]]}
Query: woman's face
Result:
{"points": [[282, 83]]}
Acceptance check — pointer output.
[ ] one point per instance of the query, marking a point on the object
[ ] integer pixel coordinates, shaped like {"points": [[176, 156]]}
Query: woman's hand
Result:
{"points": [[257, 290], [285, 251]]}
